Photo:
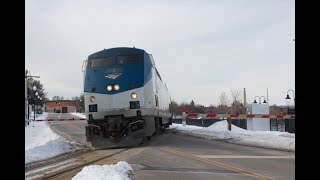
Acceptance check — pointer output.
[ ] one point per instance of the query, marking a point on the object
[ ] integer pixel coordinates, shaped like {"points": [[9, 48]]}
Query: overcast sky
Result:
{"points": [[201, 48]]}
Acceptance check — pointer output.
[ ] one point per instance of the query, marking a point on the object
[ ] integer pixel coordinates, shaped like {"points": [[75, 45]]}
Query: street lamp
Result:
{"points": [[59, 107], [34, 104], [288, 97], [34, 88], [80, 105], [264, 99], [28, 80]]}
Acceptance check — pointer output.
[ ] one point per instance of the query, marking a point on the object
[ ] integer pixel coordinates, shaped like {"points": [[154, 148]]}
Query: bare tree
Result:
{"points": [[236, 105], [75, 98], [192, 103], [224, 100], [236, 97], [78, 101], [57, 98]]}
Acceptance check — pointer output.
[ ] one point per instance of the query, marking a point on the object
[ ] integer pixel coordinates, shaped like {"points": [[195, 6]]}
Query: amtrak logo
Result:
{"points": [[113, 76]]}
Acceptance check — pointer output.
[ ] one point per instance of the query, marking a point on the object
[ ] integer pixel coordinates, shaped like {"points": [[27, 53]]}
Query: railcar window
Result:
{"points": [[129, 59], [107, 61]]}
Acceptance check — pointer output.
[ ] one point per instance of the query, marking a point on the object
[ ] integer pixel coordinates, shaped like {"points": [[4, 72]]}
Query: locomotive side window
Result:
{"points": [[129, 59], [84, 65], [107, 61], [158, 74]]}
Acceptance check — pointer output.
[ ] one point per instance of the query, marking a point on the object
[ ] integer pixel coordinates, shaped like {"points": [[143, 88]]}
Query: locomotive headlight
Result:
{"points": [[92, 98], [134, 95], [109, 88], [116, 87]]}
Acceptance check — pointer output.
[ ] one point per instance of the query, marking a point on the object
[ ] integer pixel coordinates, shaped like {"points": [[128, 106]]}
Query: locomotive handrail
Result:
{"points": [[134, 123], [94, 125]]}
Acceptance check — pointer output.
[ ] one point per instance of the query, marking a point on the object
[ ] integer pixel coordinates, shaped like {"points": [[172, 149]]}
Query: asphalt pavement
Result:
{"points": [[176, 156], [72, 130], [187, 158]]}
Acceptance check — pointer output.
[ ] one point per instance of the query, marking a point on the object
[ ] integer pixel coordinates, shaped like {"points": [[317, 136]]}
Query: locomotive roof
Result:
{"points": [[117, 50]]}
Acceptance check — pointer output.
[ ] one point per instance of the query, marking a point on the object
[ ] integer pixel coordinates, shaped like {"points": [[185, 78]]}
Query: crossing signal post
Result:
{"points": [[229, 120]]}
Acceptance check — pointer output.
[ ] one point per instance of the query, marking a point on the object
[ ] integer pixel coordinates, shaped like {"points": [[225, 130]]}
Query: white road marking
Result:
{"points": [[243, 157]]}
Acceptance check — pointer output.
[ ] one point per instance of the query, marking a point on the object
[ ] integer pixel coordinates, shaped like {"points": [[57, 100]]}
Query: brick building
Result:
{"points": [[60, 106]]}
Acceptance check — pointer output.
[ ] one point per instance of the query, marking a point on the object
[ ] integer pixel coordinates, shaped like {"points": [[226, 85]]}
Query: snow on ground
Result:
{"points": [[118, 171], [38, 116], [41, 142], [219, 131], [81, 115]]}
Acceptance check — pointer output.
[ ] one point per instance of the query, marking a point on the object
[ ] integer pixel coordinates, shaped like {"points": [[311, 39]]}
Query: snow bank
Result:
{"points": [[118, 171], [219, 131], [42, 143], [81, 115], [42, 116]]}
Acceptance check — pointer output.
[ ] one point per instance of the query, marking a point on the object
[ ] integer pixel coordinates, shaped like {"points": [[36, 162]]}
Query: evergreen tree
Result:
{"points": [[38, 96]]}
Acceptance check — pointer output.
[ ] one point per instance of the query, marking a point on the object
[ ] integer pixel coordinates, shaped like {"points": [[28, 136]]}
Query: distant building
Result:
{"points": [[60, 106], [281, 110]]}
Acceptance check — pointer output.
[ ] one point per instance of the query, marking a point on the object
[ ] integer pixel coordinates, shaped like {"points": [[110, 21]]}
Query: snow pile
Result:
{"points": [[219, 131], [81, 115], [118, 171], [42, 143], [42, 116]]}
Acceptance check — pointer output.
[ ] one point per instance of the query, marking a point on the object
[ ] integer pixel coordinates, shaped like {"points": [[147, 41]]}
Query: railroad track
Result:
{"points": [[56, 159], [70, 165], [80, 166], [67, 166]]}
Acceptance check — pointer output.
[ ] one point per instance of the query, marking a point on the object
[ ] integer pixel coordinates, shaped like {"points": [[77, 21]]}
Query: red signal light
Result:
{"points": [[131, 86]]}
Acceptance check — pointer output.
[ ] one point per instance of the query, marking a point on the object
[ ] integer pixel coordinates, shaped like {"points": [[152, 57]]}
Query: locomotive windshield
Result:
{"points": [[129, 59], [107, 61]]}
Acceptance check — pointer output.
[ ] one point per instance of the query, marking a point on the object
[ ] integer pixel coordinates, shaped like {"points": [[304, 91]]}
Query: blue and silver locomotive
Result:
{"points": [[126, 101]]}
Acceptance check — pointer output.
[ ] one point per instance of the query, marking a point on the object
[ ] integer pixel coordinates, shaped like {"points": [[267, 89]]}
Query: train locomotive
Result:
{"points": [[126, 101]]}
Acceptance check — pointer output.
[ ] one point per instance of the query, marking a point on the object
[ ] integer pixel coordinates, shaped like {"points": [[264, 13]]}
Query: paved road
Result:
{"points": [[64, 116], [72, 130], [188, 158], [184, 157]]}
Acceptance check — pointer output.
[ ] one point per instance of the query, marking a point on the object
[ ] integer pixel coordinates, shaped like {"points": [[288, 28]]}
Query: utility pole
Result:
{"points": [[267, 96], [28, 79], [244, 97], [229, 120]]}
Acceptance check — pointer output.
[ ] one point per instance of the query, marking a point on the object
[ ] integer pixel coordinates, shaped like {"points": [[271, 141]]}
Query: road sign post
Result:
{"points": [[229, 120]]}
